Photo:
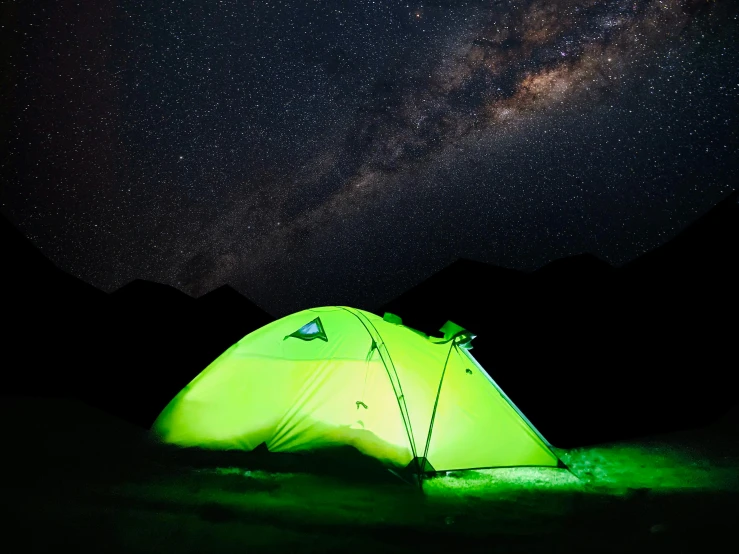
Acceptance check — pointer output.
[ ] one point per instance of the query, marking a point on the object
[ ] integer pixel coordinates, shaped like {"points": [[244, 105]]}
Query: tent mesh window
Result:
{"points": [[311, 330]]}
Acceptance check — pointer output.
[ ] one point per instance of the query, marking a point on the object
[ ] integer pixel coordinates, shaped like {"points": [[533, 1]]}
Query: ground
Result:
{"points": [[78, 480]]}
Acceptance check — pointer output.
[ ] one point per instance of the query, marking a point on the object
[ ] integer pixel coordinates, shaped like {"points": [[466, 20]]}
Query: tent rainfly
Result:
{"points": [[337, 376]]}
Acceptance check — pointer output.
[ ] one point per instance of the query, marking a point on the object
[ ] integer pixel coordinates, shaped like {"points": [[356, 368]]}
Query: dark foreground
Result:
{"points": [[78, 481]]}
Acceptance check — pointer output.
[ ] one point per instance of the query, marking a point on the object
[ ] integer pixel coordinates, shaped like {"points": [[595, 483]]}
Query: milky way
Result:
{"points": [[337, 155]]}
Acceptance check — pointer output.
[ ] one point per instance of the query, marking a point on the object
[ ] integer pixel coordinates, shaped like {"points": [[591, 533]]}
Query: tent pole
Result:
{"points": [[433, 415], [403, 408]]}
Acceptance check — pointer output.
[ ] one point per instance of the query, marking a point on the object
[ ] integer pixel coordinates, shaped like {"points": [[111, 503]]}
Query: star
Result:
{"points": [[364, 142]]}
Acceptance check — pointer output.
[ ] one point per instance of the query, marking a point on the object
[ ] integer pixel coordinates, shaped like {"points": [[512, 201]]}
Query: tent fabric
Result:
{"points": [[372, 383]]}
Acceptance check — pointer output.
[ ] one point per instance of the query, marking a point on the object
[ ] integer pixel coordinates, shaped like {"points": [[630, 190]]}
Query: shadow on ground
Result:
{"points": [[76, 480]]}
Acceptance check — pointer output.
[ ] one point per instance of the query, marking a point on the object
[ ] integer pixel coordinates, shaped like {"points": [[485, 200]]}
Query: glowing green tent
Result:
{"points": [[340, 376]]}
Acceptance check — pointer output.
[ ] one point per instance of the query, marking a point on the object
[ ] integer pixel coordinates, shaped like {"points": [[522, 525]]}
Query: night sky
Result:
{"points": [[321, 152]]}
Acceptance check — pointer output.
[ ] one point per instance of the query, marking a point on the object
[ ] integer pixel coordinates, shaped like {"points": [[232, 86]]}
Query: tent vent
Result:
{"points": [[309, 331], [450, 329], [392, 318]]}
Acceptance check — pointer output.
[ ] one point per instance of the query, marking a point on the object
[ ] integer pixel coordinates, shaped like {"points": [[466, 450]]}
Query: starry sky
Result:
{"points": [[321, 152]]}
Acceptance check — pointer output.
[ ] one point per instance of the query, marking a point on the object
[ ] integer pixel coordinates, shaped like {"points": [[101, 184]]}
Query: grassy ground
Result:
{"points": [[74, 480]]}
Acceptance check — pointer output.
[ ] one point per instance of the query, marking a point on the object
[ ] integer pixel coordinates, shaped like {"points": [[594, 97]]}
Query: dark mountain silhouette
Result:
{"points": [[128, 352], [140, 294], [591, 352], [227, 326], [588, 351]]}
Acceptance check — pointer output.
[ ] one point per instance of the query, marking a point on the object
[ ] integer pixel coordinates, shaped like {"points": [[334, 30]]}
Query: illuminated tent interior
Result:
{"points": [[338, 376]]}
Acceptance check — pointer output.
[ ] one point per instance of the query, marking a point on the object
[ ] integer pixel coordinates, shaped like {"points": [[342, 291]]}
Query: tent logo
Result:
{"points": [[311, 330]]}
